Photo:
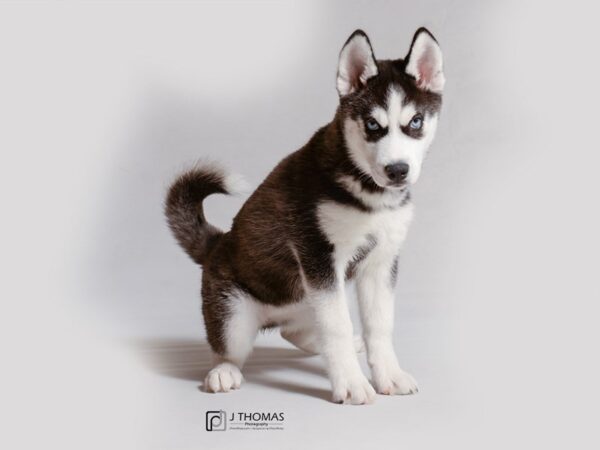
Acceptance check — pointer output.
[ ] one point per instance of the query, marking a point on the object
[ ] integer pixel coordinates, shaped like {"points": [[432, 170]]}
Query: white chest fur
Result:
{"points": [[348, 228]]}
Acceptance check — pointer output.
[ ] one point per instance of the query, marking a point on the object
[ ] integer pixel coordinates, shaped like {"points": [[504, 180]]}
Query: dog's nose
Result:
{"points": [[397, 172]]}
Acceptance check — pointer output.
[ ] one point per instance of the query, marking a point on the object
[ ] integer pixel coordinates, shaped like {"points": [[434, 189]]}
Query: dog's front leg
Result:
{"points": [[375, 282], [336, 341]]}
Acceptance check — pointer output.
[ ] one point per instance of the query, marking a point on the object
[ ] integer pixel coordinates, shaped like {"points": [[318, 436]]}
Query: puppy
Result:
{"points": [[338, 209]]}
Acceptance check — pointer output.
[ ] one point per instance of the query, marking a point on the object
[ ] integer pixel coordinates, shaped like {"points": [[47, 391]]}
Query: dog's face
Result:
{"points": [[390, 108]]}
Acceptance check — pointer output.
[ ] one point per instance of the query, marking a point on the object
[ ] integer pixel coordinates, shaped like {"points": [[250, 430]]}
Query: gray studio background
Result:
{"points": [[497, 293]]}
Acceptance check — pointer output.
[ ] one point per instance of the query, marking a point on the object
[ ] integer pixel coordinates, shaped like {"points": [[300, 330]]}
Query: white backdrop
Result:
{"points": [[102, 104]]}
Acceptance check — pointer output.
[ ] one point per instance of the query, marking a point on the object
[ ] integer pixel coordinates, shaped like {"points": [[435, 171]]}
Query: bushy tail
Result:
{"points": [[184, 211]]}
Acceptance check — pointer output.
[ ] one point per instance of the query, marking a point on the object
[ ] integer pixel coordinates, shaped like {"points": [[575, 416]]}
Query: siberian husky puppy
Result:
{"points": [[337, 209]]}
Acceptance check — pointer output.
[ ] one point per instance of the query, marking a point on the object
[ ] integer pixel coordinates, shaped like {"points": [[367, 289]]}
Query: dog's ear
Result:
{"points": [[424, 62], [356, 65]]}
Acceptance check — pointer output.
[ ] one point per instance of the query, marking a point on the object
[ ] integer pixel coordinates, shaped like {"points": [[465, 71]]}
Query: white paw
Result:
{"points": [[393, 380], [359, 344], [223, 378], [353, 390]]}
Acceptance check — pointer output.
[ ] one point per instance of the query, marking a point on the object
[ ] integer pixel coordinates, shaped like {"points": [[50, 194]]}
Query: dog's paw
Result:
{"points": [[394, 381], [353, 390], [223, 378]]}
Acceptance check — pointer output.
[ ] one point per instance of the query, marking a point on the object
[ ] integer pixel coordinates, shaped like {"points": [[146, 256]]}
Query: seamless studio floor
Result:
{"points": [[497, 295]]}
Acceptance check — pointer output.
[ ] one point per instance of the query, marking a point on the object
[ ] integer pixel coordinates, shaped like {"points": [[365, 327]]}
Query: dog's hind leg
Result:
{"points": [[306, 339], [232, 320]]}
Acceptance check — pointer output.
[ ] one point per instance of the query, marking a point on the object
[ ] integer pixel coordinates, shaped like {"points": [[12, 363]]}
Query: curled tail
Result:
{"points": [[184, 211]]}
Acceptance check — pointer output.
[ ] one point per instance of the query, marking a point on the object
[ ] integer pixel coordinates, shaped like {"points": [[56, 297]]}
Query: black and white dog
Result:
{"points": [[337, 209]]}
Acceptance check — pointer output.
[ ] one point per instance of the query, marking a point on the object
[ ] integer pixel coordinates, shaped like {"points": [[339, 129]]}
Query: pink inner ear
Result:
{"points": [[359, 70], [426, 68], [356, 68]]}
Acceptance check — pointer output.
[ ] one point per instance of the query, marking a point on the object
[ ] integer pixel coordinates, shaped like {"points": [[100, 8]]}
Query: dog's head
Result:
{"points": [[390, 108]]}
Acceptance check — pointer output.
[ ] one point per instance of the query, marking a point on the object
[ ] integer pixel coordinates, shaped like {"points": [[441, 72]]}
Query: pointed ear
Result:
{"points": [[424, 62], [356, 65]]}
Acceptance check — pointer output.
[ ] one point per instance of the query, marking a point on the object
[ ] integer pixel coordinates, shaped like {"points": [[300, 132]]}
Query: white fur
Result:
{"points": [[380, 115], [336, 344], [426, 63], [235, 184], [376, 302], [307, 339], [347, 228], [372, 157], [356, 65], [224, 377], [241, 328], [240, 332], [304, 338]]}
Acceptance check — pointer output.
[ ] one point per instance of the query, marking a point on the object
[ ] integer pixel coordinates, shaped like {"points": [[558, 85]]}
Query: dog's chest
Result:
{"points": [[349, 229]]}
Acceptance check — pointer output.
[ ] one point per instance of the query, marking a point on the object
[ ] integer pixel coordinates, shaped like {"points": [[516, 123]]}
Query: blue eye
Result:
{"points": [[416, 123], [372, 124]]}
